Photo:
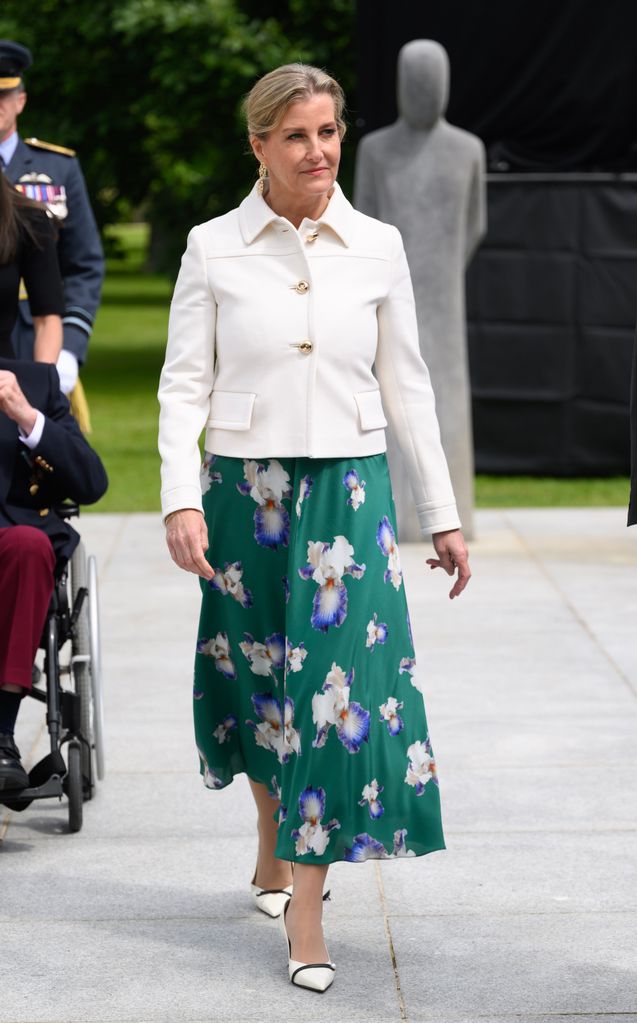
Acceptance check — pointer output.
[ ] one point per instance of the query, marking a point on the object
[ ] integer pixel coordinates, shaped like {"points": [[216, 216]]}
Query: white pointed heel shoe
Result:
{"points": [[313, 976], [270, 901]]}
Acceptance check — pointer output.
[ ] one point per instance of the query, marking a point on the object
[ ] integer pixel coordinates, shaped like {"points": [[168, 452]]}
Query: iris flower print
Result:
{"points": [[326, 565], [386, 540], [275, 730], [295, 656], [206, 475], [329, 704], [228, 724], [229, 582], [356, 489], [197, 694], [305, 489], [364, 847], [400, 848], [275, 793], [264, 657], [370, 797], [268, 487], [219, 649], [376, 633], [312, 836], [210, 779], [408, 664], [422, 766], [286, 588], [332, 706], [389, 713]]}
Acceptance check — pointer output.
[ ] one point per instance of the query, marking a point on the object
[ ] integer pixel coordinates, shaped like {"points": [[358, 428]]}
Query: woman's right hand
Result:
{"points": [[187, 539]]}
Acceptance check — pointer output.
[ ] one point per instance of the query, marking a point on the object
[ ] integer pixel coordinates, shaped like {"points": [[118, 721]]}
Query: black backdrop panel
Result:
{"points": [[547, 84], [526, 361], [530, 285], [518, 437], [551, 305]]}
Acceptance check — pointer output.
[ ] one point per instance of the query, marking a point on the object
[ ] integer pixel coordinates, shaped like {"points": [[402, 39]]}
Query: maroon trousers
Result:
{"points": [[27, 562]]}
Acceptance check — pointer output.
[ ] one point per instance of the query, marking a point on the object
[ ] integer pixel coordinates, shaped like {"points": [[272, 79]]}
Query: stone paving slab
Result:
{"points": [[528, 963], [543, 872], [168, 969], [519, 739], [129, 878], [501, 799], [523, 1017]]}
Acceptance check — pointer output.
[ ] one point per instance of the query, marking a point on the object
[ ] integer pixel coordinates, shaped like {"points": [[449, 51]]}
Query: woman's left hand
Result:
{"points": [[452, 554]]}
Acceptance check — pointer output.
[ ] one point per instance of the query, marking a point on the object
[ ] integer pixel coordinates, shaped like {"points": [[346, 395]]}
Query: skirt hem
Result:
{"points": [[322, 860]]}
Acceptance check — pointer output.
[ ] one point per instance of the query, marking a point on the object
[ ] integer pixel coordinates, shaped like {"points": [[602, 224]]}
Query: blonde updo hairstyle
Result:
{"points": [[269, 98]]}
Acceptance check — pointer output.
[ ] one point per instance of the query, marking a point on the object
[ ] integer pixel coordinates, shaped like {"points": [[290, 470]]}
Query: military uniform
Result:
{"points": [[52, 174]]}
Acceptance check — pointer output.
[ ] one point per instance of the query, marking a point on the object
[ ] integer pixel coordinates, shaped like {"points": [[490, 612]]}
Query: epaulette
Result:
{"points": [[39, 144]]}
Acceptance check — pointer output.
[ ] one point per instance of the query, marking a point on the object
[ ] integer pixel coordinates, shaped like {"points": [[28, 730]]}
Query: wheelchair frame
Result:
{"points": [[74, 715]]}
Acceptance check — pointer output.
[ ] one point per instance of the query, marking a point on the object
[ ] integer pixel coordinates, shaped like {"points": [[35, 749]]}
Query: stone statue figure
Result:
{"points": [[427, 178]]}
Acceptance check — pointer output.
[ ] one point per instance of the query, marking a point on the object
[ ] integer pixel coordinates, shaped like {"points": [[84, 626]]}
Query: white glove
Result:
{"points": [[68, 370]]}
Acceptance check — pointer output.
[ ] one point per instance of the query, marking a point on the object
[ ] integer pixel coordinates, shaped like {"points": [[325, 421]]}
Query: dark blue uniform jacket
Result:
{"points": [[79, 248], [62, 466]]}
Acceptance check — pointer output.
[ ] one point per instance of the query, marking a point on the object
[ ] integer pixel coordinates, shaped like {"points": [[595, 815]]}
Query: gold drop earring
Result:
{"points": [[263, 173]]}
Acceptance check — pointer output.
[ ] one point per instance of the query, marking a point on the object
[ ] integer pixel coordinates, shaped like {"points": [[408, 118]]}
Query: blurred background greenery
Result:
{"points": [[149, 94]]}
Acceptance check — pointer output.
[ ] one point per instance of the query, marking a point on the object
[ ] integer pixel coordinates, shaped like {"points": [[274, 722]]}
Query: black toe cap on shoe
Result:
{"points": [[13, 776], [12, 773]]}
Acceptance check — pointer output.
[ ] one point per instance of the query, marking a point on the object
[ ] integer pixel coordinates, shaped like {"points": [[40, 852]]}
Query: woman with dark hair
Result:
{"points": [[28, 253]]}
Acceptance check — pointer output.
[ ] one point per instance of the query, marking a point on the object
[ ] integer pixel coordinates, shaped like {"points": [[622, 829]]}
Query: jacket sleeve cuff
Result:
{"points": [[437, 520], [33, 439], [179, 499], [75, 340]]}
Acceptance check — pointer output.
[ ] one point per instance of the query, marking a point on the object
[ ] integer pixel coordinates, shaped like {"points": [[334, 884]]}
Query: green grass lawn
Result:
{"points": [[121, 378], [547, 492], [122, 373]]}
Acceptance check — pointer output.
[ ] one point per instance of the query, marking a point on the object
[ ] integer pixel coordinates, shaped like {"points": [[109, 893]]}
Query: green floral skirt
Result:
{"points": [[305, 676]]}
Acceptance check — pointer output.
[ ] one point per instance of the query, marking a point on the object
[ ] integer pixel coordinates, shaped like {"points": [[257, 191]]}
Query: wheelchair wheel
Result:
{"points": [[86, 665], [75, 786], [80, 654], [96, 666]]}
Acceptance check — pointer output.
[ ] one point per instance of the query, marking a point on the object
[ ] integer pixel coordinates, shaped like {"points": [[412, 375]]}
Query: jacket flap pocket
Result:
{"points": [[231, 410], [370, 410]]}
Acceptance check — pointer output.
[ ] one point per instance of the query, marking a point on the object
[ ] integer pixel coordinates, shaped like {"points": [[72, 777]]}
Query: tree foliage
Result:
{"points": [[149, 94]]}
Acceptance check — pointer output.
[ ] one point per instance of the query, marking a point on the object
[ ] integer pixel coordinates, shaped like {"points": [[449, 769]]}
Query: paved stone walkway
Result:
{"points": [[531, 913]]}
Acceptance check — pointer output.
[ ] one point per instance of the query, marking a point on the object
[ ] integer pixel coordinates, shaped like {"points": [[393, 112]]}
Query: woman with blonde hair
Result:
{"points": [[292, 335]]}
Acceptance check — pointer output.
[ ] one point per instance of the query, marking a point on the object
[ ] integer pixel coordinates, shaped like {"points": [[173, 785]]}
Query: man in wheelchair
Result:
{"points": [[44, 460]]}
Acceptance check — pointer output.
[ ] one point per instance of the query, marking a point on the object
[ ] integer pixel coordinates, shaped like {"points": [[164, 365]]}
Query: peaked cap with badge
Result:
{"points": [[14, 59], [51, 173]]}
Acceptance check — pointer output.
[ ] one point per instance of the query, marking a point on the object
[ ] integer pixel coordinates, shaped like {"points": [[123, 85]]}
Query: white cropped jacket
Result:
{"points": [[286, 342]]}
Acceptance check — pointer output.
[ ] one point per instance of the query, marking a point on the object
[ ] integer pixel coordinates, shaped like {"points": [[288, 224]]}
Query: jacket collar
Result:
{"points": [[255, 215], [20, 161]]}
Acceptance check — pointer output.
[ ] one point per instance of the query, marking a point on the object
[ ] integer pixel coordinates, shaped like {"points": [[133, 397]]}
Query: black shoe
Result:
{"points": [[12, 774]]}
